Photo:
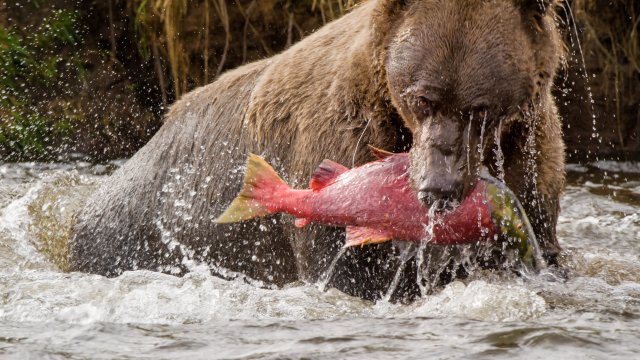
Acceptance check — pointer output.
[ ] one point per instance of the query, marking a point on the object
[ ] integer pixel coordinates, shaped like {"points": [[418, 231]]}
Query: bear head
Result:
{"points": [[461, 72]]}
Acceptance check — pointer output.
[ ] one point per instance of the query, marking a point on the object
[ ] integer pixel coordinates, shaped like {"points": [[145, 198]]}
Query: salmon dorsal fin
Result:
{"points": [[325, 173], [379, 153], [357, 235]]}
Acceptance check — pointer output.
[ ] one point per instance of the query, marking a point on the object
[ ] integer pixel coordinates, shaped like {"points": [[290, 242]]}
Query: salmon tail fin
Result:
{"points": [[260, 183]]}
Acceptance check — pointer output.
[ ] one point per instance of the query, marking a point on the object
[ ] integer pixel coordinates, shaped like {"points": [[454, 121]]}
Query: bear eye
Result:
{"points": [[424, 106], [478, 113], [482, 113]]}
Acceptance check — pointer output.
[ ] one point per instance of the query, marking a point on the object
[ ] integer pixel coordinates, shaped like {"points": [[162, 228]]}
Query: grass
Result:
{"points": [[30, 64], [159, 26], [197, 40], [611, 39]]}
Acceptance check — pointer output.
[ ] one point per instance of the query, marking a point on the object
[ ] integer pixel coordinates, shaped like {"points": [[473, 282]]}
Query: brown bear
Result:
{"points": [[457, 83]]}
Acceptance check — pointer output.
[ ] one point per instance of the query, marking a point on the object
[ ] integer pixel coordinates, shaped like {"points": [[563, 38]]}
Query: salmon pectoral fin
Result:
{"points": [[379, 153], [302, 222], [357, 235], [325, 174]]}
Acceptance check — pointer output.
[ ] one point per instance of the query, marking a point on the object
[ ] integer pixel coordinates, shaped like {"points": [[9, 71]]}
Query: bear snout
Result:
{"points": [[443, 193]]}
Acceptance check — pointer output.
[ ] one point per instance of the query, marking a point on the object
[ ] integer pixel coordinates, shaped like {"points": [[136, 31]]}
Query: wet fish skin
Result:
{"points": [[374, 202]]}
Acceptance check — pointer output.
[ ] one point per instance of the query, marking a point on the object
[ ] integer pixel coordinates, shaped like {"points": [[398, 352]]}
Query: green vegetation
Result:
{"points": [[160, 26], [31, 64], [613, 42], [95, 76]]}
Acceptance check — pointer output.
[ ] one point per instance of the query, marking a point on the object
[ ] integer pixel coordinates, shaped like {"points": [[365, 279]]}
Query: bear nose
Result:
{"points": [[444, 194]]}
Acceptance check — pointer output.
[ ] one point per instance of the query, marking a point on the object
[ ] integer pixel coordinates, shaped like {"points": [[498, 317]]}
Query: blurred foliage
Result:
{"points": [[178, 29], [611, 39], [128, 60], [199, 39], [30, 61]]}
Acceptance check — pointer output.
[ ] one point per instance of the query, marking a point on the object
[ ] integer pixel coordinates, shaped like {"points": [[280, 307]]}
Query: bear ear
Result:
{"points": [[399, 2], [536, 8], [395, 4]]}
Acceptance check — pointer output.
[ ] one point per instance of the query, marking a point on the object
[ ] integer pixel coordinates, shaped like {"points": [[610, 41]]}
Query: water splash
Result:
{"points": [[14, 225], [481, 143], [328, 274], [467, 145], [532, 154], [74, 314], [423, 246], [566, 6], [442, 260], [177, 194], [482, 300], [498, 151], [404, 257]]}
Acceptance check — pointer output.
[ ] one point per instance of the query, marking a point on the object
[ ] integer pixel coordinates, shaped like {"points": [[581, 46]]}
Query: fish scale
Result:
{"points": [[375, 203]]}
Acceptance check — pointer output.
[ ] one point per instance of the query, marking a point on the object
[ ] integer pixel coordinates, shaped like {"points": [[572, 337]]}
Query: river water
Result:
{"points": [[45, 313]]}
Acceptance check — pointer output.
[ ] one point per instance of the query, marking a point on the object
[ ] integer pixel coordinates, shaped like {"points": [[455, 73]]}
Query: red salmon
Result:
{"points": [[375, 203]]}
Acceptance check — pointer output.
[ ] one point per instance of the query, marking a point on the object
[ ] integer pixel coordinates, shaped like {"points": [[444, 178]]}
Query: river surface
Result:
{"points": [[45, 313]]}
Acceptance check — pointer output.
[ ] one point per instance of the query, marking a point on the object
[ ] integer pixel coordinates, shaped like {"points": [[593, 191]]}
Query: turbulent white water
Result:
{"points": [[595, 312]]}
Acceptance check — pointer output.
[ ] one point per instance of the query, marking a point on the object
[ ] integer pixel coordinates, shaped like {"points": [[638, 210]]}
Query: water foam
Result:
{"points": [[36, 292], [480, 300], [155, 298], [14, 235]]}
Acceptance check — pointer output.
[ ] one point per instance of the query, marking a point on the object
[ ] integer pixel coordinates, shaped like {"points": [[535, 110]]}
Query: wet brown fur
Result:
{"points": [[326, 97]]}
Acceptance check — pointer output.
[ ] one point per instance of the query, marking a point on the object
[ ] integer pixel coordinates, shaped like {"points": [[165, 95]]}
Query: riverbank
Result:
{"points": [[92, 79]]}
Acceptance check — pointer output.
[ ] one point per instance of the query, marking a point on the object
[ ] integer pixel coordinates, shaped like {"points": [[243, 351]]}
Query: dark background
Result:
{"points": [[91, 79]]}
